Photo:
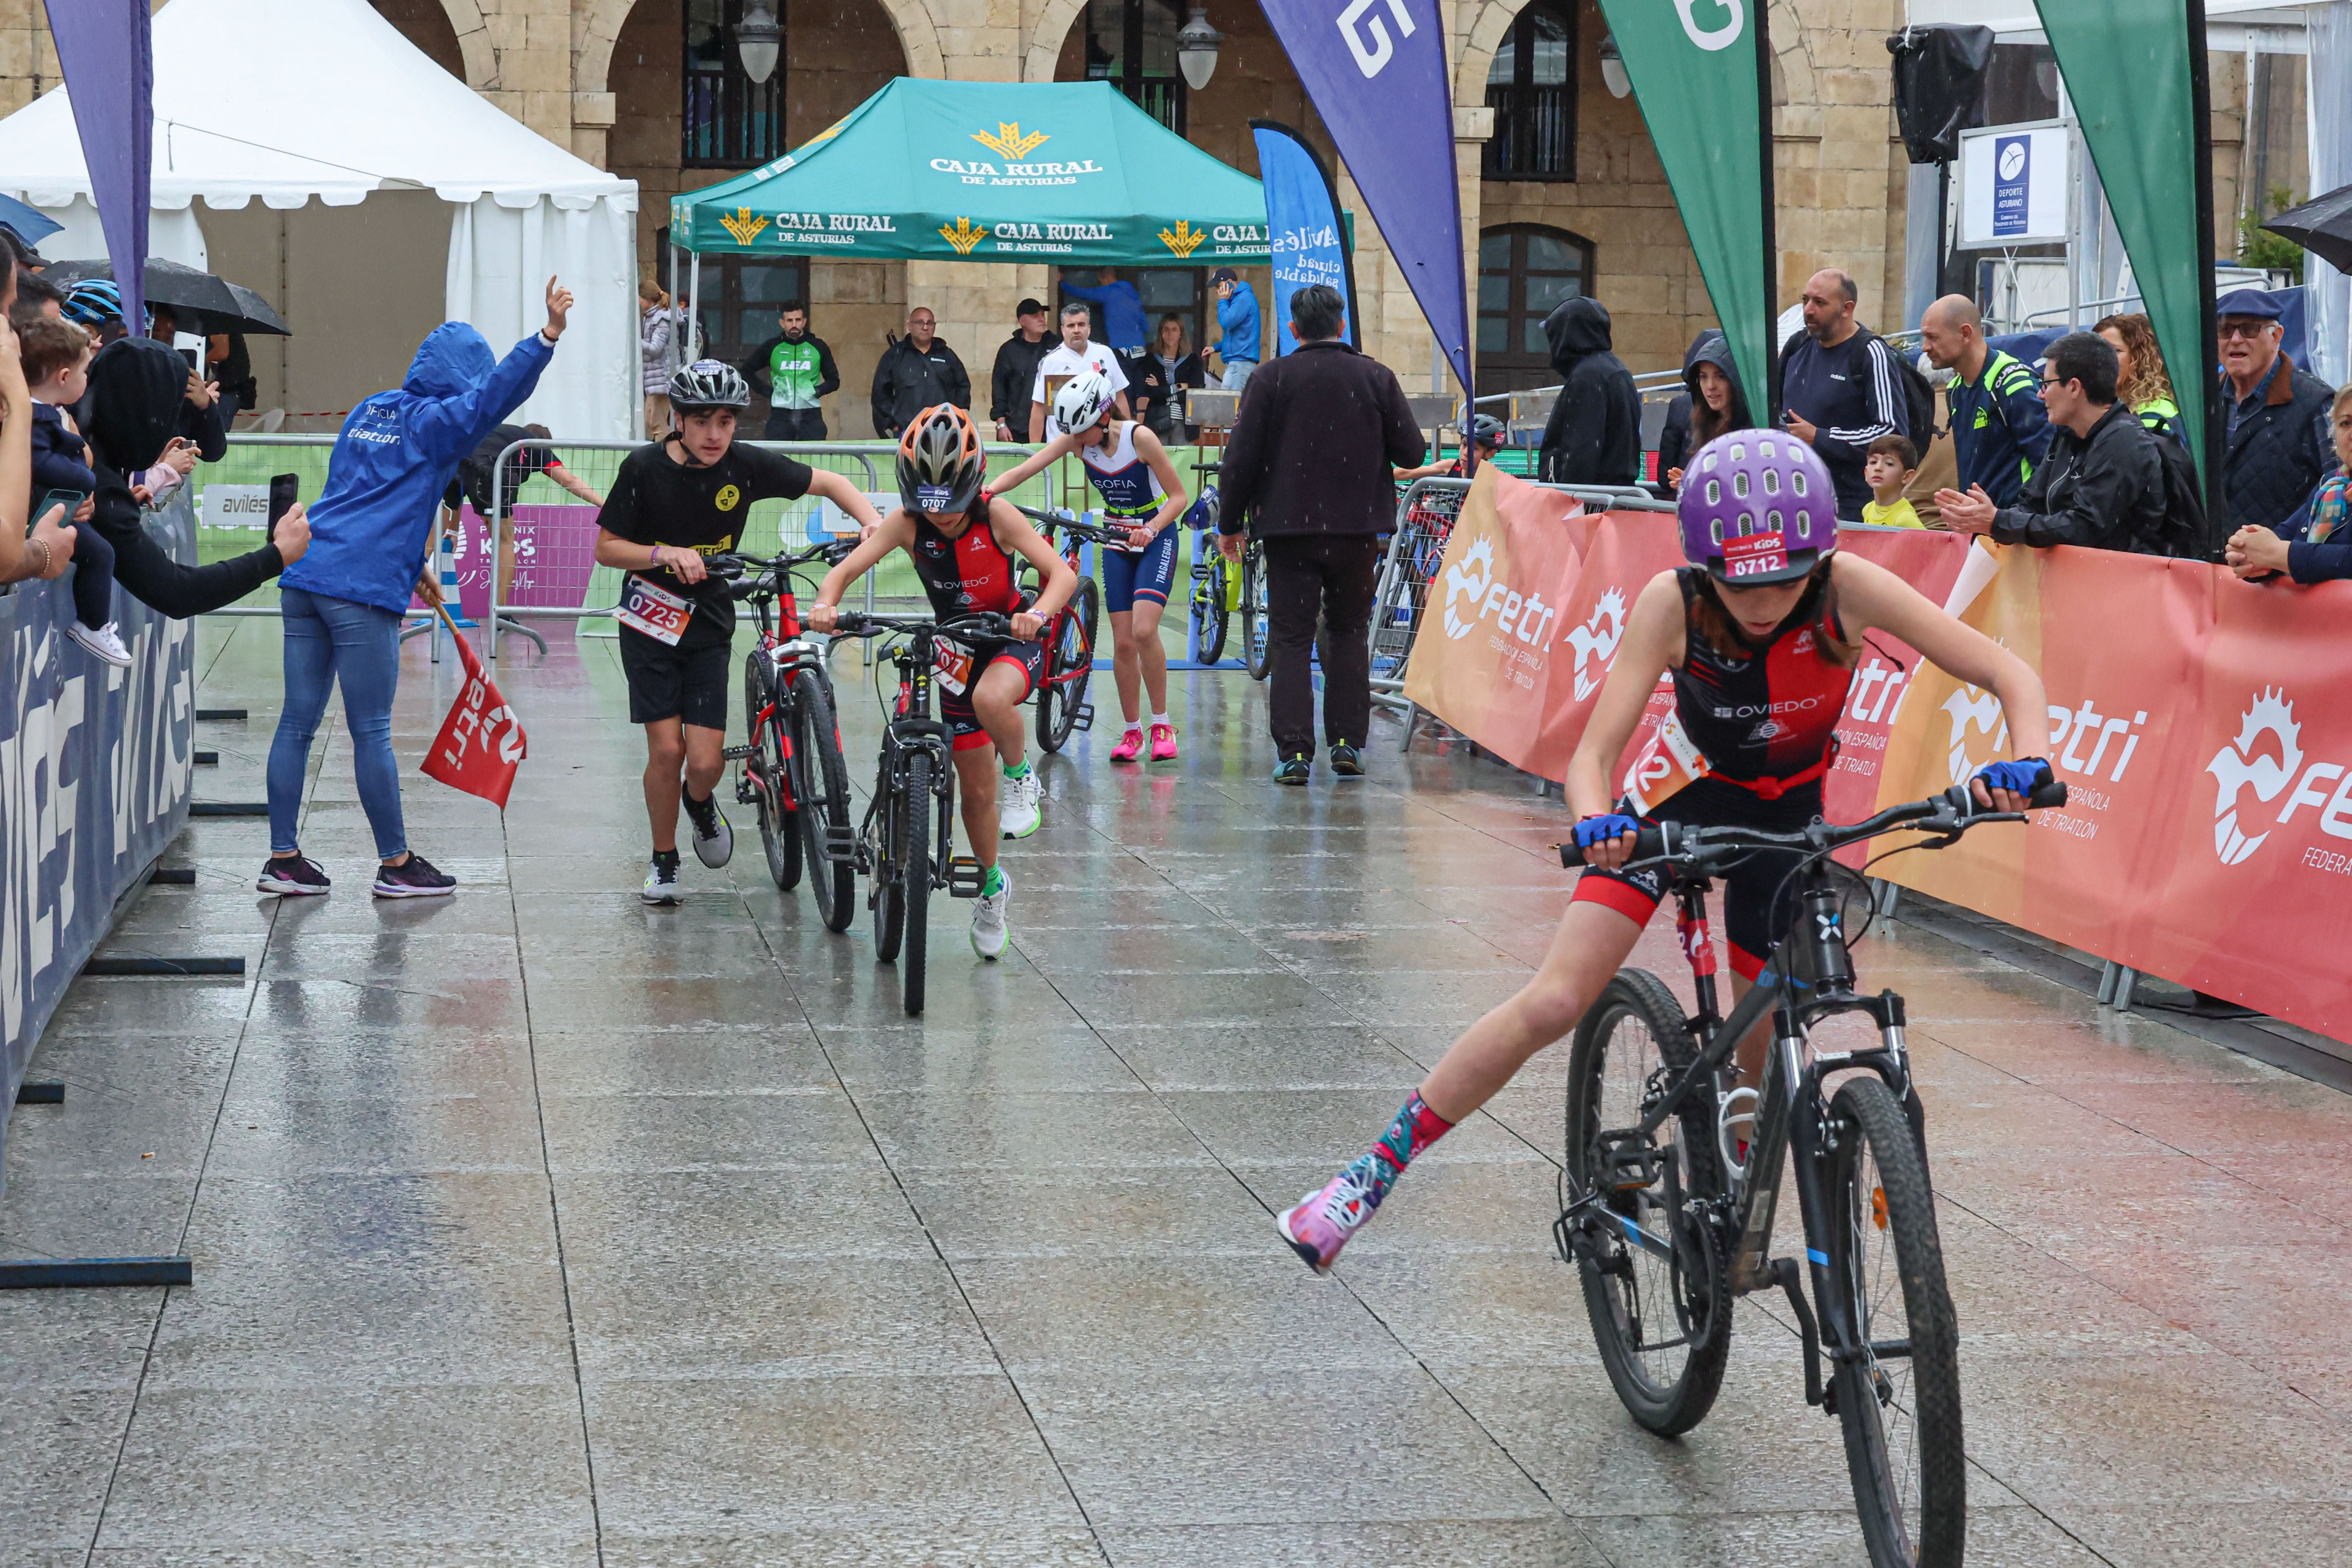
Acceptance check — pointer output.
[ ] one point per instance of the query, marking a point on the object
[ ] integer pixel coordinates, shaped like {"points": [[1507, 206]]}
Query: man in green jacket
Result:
{"points": [[792, 370]]}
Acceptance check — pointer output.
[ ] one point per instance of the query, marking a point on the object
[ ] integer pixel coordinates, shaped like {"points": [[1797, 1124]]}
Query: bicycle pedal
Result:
{"points": [[736, 754], [965, 877], [1084, 718], [745, 792], [841, 844]]}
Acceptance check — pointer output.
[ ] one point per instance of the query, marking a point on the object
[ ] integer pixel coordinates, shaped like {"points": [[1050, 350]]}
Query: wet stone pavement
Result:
{"points": [[537, 1227]]}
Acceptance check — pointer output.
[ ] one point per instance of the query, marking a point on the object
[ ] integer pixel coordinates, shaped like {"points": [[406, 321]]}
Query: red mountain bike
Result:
{"points": [[1069, 635]]}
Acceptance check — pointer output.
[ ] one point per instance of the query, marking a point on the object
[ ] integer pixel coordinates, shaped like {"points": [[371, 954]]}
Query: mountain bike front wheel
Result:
{"points": [[823, 797], [914, 838], [1653, 1283], [1899, 1402], [1069, 667], [780, 834], [1256, 621], [1209, 602]]}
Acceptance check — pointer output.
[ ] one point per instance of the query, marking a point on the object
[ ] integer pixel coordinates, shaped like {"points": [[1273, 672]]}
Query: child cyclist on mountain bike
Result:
{"points": [[1760, 634], [962, 541], [1140, 489]]}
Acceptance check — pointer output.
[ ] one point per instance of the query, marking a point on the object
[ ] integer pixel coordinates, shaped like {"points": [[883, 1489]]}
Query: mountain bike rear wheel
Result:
{"points": [[1256, 628], [1663, 1327], [1209, 602], [1069, 667], [779, 834], [1901, 1412], [823, 781], [915, 877]]}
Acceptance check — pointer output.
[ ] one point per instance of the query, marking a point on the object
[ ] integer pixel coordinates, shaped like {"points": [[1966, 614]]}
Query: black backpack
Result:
{"points": [[2185, 534], [1918, 397]]}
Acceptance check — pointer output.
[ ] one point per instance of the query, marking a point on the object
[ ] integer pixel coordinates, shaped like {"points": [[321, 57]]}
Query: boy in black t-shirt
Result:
{"points": [[672, 504]]}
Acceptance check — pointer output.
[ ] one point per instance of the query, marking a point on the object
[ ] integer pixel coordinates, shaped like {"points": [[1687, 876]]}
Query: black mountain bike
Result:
{"points": [[1673, 1171], [905, 845], [794, 775], [1256, 623]]}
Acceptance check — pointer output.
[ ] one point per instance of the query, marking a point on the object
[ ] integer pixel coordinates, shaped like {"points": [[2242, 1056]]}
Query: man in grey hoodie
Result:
{"points": [[1594, 436]]}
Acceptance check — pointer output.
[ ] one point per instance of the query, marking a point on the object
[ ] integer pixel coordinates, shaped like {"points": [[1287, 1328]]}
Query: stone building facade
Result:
{"points": [[603, 79]]}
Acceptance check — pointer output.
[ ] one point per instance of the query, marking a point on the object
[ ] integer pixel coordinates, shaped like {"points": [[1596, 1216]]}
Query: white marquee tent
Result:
{"points": [[391, 197]]}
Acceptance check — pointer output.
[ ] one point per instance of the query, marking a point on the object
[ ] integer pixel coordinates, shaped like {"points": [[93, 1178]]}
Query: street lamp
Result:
{"points": [[758, 39], [1612, 68], [1196, 48]]}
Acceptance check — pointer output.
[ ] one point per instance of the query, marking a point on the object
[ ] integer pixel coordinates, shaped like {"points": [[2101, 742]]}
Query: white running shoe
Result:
{"points": [[1017, 812], [714, 841], [103, 642], [661, 881], [988, 922]]}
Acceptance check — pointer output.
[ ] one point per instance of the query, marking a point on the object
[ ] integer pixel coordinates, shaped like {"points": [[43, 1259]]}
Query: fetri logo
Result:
{"points": [[1469, 580], [1524, 617], [1009, 144], [742, 225], [2238, 764], [1591, 642]]}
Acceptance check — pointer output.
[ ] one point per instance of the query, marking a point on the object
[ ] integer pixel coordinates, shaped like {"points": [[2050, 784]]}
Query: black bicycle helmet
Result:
{"points": [[941, 463], [1486, 427], [709, 384]]}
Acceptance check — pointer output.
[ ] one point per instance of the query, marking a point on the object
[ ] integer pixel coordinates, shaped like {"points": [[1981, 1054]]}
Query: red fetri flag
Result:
{"points": [[481, 741]]}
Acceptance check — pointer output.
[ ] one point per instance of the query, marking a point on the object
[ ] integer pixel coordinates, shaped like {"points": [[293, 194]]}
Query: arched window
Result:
{"points": [[1525, 271], [730, 120], [1131, 44], [1531, 88]]}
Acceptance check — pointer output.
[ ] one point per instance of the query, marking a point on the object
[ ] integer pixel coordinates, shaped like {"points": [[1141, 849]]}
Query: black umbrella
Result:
{"points": [[168, 283], [259, 316], [2322, 226]]}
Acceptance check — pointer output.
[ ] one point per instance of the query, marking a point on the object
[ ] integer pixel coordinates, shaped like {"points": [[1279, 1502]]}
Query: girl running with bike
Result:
{"points": [[1760, 634], [1131, 472], [962, 541]]}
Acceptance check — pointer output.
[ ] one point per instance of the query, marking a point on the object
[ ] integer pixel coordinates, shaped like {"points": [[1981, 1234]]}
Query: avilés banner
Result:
{"points": [[1698, 67], [2209, 837], [1376, 72], [1303, 233], [2137, 78]]}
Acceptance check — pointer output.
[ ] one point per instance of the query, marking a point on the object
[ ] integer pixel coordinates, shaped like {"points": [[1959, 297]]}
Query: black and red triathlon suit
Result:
{"points": [[1767, 726], [968, 575]]}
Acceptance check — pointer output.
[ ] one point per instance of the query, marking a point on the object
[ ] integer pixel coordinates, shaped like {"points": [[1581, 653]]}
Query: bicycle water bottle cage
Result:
{"points": [[1737, 1112], [964, 878]]}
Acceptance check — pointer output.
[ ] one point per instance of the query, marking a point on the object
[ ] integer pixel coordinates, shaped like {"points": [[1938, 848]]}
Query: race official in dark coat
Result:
{"points": [[1594, 434], [1309, 467], [916, 372]]}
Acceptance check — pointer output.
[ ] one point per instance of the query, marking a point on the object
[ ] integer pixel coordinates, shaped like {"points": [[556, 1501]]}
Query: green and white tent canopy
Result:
{"points": [[1065, 173]]}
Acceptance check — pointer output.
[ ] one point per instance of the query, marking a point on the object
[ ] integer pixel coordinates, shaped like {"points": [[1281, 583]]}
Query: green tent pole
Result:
{"points": [[2217, 415], [1771, 229]]}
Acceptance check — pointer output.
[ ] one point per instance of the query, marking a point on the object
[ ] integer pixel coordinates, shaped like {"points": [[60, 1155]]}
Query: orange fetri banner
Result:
{"points": [[2201, 722]]}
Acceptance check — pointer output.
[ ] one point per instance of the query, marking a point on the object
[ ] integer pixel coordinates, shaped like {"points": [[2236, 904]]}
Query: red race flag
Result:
{"points": [[482, 740]]}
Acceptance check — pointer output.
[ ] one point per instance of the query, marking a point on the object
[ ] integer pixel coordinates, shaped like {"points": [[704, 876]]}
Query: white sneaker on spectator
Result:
{"points": [[103, 642]]}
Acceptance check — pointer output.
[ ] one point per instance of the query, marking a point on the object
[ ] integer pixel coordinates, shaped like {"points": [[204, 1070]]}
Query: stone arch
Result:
{"points": [[1046, 37], [472, 30], [598, 27], [1489, 20]]}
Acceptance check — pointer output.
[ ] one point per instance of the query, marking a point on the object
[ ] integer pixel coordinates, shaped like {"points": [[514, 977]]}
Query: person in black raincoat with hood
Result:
{"points": [[1710, 404], [138, 389], [1594, 436]]}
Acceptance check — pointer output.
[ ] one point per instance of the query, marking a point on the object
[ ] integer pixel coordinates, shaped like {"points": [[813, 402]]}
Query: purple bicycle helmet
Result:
{"points": [[1756, 506]]}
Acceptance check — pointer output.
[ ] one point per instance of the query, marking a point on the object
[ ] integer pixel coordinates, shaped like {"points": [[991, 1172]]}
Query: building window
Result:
{"points": [[728, 121], [1525, 271], [1531, 88], [739, 297], [1131, 44], [1179, 291]]}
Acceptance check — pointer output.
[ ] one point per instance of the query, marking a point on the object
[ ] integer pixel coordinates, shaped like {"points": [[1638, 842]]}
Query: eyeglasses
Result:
{"points": [[2249, 329], [2048, 382]]}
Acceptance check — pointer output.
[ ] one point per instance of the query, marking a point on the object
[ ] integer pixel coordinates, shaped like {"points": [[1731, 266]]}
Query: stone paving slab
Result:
{"points": [[534, 1227]]}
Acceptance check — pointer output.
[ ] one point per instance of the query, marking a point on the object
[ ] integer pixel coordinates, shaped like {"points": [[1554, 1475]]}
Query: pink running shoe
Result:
{"points": [[1163, 742], [1319, 1224], [1130, 745]]}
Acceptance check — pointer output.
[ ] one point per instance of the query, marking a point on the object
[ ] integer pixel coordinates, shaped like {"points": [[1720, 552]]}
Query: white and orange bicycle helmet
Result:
{"points": [[941, 462]]}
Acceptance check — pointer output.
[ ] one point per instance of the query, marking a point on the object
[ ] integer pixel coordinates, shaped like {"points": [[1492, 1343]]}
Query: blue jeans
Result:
{"points": [[326, 640]]}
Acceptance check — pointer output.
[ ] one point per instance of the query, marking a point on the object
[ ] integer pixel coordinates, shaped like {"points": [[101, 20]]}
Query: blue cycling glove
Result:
{"points": [[2023, 777], [1609, 824]]}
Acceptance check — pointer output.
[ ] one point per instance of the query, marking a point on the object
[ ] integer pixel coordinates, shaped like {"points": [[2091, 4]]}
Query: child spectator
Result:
{"points": [[1888, 469], [55, 356]]}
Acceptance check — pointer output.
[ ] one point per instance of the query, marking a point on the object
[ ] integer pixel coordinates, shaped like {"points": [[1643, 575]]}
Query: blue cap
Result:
{"points": [[2250, 302]]}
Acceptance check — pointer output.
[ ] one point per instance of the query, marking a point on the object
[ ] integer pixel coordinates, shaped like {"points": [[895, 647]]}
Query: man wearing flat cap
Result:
{"points": [[2279, 441]]}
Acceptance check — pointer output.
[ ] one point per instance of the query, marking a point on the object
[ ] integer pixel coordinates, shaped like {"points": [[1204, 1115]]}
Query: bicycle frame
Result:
{"points": [[1808, 977], [912, 728], [1070, 544], [788, 652]]}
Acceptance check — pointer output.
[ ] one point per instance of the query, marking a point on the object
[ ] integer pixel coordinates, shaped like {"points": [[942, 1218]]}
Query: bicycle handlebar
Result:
{"points": [[987, 625], [1699, 851], [747, 571], [1098, 534]]}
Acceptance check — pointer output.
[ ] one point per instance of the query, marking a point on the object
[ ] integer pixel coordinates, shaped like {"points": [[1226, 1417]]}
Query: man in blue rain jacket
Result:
{"points": [[343, 602]]}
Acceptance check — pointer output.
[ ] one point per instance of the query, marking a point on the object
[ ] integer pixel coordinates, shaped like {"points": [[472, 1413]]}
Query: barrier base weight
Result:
{"points": [[50, 1093], [84, 1273], [119, 968]]}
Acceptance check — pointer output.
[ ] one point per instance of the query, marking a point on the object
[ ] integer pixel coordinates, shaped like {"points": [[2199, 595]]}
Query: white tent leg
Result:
{"points": [[694, 308]]}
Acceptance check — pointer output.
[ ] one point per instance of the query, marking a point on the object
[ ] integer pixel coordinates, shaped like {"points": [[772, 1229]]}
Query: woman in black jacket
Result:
{"points": [[138, 389], [1710, 405], [1171, 361]]}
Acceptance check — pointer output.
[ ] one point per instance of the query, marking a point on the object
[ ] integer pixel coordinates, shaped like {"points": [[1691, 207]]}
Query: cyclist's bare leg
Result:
{"points": [[996, 703], [1152, 652], [975, 769], [1127, 666], [672, 747], [1591, 943]]}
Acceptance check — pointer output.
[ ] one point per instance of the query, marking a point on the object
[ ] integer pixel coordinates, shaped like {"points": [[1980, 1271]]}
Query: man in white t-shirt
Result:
{"points": [[1073, 356]]}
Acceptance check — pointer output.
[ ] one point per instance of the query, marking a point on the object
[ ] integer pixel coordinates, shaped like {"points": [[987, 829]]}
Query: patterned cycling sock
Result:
{"points": [[1019, 770], [993, 883], [1415, 1128]]}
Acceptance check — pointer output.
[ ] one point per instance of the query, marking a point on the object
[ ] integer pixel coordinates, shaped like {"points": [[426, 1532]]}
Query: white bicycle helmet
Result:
{"points": [[709, 384], [1080, 403]]}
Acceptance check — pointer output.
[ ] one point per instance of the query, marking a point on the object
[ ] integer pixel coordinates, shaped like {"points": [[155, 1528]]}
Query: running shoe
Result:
{"points": [[292, 876], [413, 877], [1163, 742], [1293, 770], [661, 881], [1130, 745], [1347, 762], [714, 841], [988, 922], [103, 642], [1018, 812], [1319, 1224]]}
